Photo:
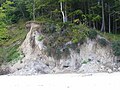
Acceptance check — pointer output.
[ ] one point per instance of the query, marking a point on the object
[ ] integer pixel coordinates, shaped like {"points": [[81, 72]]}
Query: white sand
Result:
{"points": [[100, 81]]}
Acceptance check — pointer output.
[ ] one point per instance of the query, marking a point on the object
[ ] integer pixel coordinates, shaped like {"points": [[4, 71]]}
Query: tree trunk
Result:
{"points": [[103, 18], [22, 11], [89, 21], [66, 11], [115, 24], [63, 14], [94, 25], [109, 20], [34, 10], [93, 21]]}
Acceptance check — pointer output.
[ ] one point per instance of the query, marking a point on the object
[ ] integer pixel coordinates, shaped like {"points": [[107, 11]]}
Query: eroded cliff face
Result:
{"points": [[91, 57]]}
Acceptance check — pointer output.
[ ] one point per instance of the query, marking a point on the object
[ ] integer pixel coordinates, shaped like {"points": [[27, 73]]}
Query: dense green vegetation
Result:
{"points": [[61, 37], [116, 48], [64, 21], [10, 39], [102, 42]]}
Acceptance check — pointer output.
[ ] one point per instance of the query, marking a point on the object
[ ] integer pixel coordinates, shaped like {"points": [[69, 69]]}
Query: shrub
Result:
{"points": [[63, 33], [58, 54], [73, 46], [92, 34], [77, 50], [102, 42], [116, 48], [54, 52], [4, 36], [41, 37], [12, 54], [84, 62], [48, 28], [77, 21], [78, 36], [66, 52], [75, 40]]}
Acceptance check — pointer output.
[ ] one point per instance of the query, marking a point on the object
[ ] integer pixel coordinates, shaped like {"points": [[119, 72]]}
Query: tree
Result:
{"points": [[20, 9], [64, 13], [99, 14], [7, 10], [103, 17], [2, 13]]}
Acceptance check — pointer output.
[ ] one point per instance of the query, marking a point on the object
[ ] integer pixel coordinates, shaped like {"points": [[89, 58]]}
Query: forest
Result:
{"points": [[103, 16]]}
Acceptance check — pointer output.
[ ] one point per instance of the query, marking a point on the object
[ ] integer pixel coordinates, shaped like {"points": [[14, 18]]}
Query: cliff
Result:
{"points": [[90, 56]]}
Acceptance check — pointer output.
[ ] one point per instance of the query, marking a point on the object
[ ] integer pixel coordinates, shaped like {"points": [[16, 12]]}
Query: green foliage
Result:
{"points": [[92, 34], [40, 38], [76, 12], [58, 54], [116, 48], [111, 37], [48, 28], [75, 40], [6, 11], [66, 52], [78, 50], [57, 37], [79, 33], [2, 14], [54, 52], [84, 62], [17, 34], [96, 18], [4, 36], [11, 11], [10, 39], [12, 53], [102, 42], [57, 34], [76, 21], [73, 46], [9, 53]]}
